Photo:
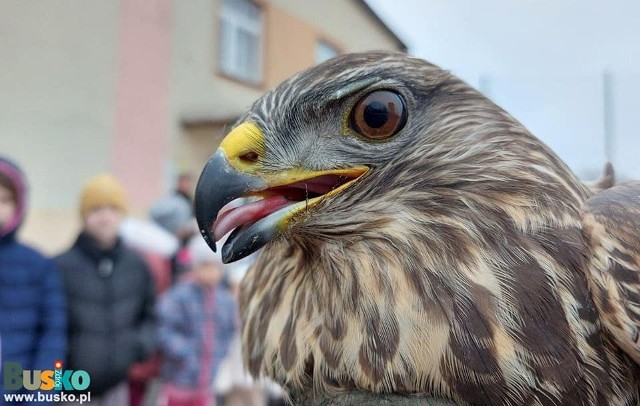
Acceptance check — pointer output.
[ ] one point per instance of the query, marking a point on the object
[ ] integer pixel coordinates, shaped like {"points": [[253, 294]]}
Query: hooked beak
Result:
{"points": [[218, 185], [236, 171]]}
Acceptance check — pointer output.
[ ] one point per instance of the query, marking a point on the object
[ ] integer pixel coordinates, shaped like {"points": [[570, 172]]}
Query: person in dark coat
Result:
{"points": [[32, 306], [110, 295]]}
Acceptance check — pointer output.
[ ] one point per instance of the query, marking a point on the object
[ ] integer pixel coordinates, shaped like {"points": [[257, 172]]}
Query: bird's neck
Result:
{"points": [[444, 305]]}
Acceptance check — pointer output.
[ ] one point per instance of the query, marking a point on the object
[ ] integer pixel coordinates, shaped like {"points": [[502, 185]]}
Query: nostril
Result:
{"points": [[249, 157]]}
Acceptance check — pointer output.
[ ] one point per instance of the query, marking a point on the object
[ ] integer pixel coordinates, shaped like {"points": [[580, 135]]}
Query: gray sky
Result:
{"points": [[544, 61]]}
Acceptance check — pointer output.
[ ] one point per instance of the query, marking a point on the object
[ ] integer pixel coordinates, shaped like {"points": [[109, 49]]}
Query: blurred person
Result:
{"points": [[185, 186], [110, 296], [232, 382], [32, 305], [157, 246], [197, 320], [174, 213]]}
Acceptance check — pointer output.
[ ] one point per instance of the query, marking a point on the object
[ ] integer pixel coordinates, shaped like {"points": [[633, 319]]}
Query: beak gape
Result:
{"points": [[218, 185]]}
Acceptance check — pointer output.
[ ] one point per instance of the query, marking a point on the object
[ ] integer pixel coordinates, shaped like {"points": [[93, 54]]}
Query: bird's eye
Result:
{"points": [[379, 115]]}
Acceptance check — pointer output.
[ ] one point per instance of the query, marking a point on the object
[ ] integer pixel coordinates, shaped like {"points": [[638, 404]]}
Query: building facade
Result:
{"points": [[146, 89]]}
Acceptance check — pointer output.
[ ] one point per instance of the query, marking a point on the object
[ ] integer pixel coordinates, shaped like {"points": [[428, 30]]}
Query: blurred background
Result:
{"points": [[145, 89]]}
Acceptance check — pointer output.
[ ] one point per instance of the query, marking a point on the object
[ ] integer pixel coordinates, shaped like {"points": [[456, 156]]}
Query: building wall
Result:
{"points": [[290, 44], [343, 22], [291, 30], [57, 104], [197, 144], [141, 134], [108, 87], [197, 91], [84, 92], [294, 28]]}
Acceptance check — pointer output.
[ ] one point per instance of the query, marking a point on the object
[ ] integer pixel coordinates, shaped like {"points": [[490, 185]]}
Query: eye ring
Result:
{"points": [[379, 115]]}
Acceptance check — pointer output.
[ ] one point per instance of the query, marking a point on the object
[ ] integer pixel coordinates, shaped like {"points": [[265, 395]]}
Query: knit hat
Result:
{"points": [[173, 213], [102, 190], [201, 253]]}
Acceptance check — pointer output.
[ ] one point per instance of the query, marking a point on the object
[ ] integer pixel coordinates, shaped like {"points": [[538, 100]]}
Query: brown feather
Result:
{"points": [[612, 226]]}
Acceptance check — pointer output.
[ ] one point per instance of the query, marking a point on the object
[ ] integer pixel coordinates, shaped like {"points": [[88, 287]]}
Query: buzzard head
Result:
{"points": [[416, 239]]}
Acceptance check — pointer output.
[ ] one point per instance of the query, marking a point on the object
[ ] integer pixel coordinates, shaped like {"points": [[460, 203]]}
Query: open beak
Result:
{"points": [[235, 193]]}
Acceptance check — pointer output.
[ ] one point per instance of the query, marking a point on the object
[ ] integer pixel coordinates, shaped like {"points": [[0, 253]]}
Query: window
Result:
{"points": [[240, 46], [325, 51]]}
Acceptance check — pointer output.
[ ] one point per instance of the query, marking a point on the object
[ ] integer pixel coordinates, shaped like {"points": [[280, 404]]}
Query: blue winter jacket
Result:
{"points": [[32, 306]]}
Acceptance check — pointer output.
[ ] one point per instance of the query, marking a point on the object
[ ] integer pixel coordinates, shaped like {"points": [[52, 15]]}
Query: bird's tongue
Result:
{"points": [[247, 214]]}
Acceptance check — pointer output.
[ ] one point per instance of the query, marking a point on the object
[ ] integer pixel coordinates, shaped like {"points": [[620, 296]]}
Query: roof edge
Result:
{"points": [[384, 25]]}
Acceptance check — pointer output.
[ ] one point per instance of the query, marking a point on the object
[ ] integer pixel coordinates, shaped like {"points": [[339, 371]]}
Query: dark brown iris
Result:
{"points": [[379, 115]]}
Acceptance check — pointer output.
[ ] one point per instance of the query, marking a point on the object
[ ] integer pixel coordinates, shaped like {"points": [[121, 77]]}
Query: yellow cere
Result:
{"points": [[245, 139], [248, 140]]}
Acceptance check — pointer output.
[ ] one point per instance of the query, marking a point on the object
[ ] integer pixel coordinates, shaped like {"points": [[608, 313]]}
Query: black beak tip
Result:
{"points": [[219, 184], [227, 254], [209, 239]]}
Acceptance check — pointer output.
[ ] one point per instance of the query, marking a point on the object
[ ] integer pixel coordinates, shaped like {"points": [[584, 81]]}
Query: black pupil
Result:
{"points": [[376, 114]]}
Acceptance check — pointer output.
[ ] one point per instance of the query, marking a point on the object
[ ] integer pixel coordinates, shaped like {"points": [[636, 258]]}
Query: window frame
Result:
{"points": [[259, 29]]}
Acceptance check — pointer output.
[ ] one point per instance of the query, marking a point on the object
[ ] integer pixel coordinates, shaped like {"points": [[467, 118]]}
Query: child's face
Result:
{"points": [[103, 224], [208, 273], [7, 206]]}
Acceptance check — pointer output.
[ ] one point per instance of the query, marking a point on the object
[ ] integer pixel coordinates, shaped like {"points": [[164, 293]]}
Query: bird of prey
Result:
{"points": [[418, 240]]}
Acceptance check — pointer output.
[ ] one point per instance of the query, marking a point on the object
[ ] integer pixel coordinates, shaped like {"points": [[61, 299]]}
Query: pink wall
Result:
{"points": [[141, 140]]}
